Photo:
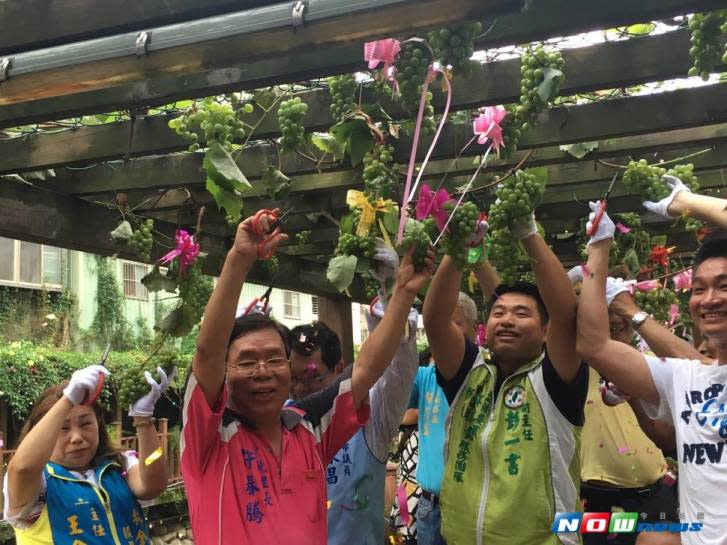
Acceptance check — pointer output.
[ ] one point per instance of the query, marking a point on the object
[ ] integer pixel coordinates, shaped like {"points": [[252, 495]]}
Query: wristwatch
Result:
{"points": [[639, 318]]}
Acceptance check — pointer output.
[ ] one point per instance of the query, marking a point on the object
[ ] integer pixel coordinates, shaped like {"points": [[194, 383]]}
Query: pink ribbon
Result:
{"points": [[403, 504], [623, 228], [673, 314], [409, 191], [481, 335], [683, 280], [381, 51], [487, 126], [187, 248], [430, 203], [646, 285], [311, 370]]}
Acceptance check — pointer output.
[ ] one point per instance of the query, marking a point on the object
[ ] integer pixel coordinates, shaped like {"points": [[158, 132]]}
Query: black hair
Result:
{"points": [[526, 288], [256, 322], [304, 339], [715, 245], [424, 357]]}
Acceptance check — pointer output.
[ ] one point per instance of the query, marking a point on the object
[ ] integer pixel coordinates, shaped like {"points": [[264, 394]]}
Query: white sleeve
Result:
{"points": [[23, 517], [130, 458], [663, 371], [389, 397]]}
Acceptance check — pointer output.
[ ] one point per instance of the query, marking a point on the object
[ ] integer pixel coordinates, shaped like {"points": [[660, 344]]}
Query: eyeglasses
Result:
{"points": [[250, 367]]}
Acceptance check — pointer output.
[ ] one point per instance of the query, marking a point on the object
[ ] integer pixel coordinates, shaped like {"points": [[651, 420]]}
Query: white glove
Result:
{"points": [[480, 231], [524, 227], [611, 395], [614, 286], [144, 406], [84, 382], [605, 229], [576, 274], [662, 207], [386, 261]]}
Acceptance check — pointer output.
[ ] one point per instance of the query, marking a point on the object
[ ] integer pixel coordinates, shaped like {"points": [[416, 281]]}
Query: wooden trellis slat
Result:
{"points": [[602, 66], [551, 18]]}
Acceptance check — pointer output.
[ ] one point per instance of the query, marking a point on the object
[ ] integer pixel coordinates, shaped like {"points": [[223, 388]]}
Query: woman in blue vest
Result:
{"points": [[68, 485]]}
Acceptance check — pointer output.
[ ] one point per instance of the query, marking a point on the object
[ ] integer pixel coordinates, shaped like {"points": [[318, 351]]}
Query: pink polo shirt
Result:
{"points": [[239, 493]]}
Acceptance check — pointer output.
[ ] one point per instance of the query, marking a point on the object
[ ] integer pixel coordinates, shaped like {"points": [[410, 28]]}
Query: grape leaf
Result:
{"points": [[329, 144], [122, 233], [178, 322], [580, 149], [156, 281], [548, 88], [391, 221], [347, 224], [221, 167], [340, 271], [354, 136], [277, 184], [631, 260], [658, 240], [231, 201], [363, 265]]}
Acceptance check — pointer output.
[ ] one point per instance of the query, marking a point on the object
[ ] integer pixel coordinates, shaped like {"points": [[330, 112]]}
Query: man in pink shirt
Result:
{"points": [[253, 469]]}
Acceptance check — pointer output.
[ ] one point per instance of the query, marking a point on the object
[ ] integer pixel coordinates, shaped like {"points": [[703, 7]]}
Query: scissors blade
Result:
{"points": [[610, 187], [105, 354]]}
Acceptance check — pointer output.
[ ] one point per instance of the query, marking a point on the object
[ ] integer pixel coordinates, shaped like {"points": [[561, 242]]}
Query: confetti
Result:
{"points": [[600, 445], [589, 402], [623, 450], [329, 504], [153, 457]]}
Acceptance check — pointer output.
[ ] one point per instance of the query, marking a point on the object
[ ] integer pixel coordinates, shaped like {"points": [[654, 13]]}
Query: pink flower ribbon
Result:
{"points": [[683, 280], [673, 314], [431, 204], [381, 51], [481, 335], [623, 228], [487, 126], [187, 249]]}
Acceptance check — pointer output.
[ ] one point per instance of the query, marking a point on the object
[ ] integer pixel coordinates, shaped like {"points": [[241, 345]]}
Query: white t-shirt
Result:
{"points": [[693, 398], [24, 517]]}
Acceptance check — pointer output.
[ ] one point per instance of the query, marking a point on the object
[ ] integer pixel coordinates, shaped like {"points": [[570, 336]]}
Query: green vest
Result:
{"points": [[511, 461]]}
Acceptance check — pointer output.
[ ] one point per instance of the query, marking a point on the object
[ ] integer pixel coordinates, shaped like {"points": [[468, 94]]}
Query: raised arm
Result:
{"points": [[379, 348], [208, 364], [622, 364], [661, 341], [488, 278], [560, 300], [681, 201], [446, 340]]}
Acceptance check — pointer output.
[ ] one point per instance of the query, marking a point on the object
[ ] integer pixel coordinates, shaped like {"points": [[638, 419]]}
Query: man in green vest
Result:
{"points": [[516, 408]]}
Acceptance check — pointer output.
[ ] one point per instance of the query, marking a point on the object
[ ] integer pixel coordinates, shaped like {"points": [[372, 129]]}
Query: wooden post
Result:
{"points": [[335, 312]]}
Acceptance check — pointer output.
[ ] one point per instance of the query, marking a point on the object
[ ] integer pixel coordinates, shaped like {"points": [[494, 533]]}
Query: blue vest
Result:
{"points": [[81, 513]]}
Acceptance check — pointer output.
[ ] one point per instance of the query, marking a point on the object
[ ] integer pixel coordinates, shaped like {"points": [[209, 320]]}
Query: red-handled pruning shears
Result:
{"points": [[265, 300], [602, 207], [93, 396], [272, 230]]}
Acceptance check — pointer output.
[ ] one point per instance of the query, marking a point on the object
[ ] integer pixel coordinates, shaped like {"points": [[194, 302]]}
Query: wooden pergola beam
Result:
{"points": [[595, 67], [549, 18], [622, 119]]}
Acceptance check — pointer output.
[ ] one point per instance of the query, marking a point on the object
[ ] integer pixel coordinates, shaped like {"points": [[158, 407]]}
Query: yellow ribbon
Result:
{"points": [[153, 457], [472, 281], [356, 199]]}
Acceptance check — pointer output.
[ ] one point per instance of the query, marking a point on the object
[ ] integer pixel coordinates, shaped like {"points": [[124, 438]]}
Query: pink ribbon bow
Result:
{"points": [[623, 228], [487, 125], [187, 248], [683, 280], [432, 204], [673, 314], [481, 337], [381, 51], [647, 285]]}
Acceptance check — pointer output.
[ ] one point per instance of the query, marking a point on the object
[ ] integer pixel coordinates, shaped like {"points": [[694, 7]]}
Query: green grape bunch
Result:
{"points": [[512, 130], [503, 253], [142, 240], [371, 286], [343, 95], [362, 247], [517, 197], [195, 289], [534, 65], [645, 180], [454, 46], [460, 229], [302, 238], [706, 49], [657, 302], [290, 120], [379, 173], [131, 382], [686, 174], [220, 123], [412, 67], [417, 237]]}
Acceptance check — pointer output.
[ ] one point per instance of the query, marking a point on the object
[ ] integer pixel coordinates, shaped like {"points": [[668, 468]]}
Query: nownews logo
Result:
{"points": [[616, 523]]}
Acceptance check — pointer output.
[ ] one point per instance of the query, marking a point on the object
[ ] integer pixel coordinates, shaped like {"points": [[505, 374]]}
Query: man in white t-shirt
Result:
{"points": [[686, 392]]}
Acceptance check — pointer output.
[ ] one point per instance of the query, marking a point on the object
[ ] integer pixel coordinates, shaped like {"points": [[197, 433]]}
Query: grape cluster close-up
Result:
{"points": [[343, 95], [290, 120], [142, 240], [220, 123], [657, 302], [417, 236], [460, 228], [511, 127], [349, 244], [706, 49], [535, 67], [503, 253], [645, 180], [195, 289], [412, 67], [131, 382], [517, 197], [379, 173], [454, 46]]}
